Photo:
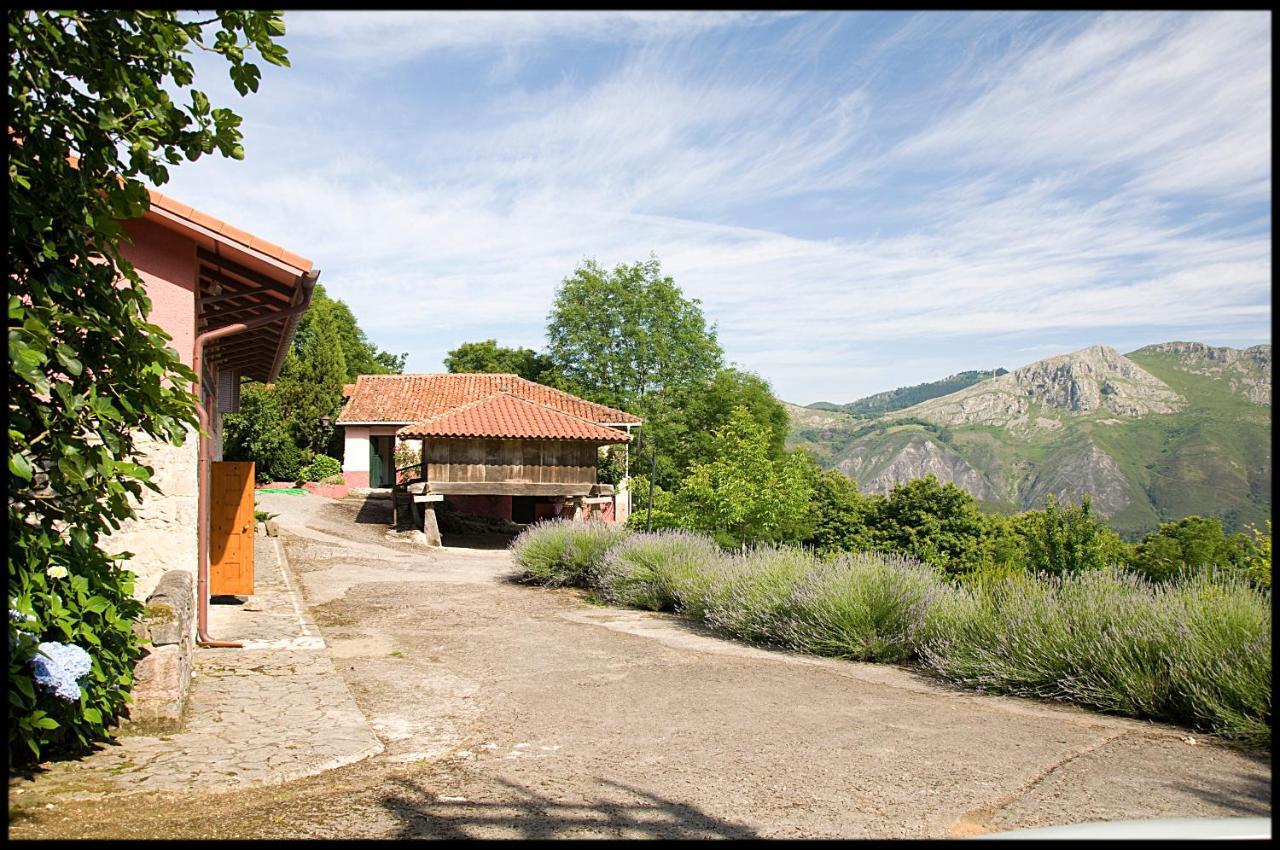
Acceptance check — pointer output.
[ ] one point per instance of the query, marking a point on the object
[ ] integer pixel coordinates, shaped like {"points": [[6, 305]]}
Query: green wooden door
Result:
{"points": [[375, 464]]}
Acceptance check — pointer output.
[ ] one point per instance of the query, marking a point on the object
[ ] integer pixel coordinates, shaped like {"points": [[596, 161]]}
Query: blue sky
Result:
{"points": [[860, 200]]}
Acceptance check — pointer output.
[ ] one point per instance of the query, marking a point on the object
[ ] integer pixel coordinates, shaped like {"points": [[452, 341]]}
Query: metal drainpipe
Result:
{"points": [[202, 466]]}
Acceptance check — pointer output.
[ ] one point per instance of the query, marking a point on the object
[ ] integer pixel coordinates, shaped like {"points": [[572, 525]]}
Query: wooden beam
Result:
{"points": [[237, 358], [258, 309], [260, 346], [211, 277], [205, 300], [248, 274], [502, 488]]}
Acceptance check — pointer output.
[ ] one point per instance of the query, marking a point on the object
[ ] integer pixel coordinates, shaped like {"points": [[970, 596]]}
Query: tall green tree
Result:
{"points": [[744, 495], [628, 338], [841, 514], [1068, 539], [361, 356], [90, 378], [937, 523], [686, 433], [623, 336], [260, 432], [1191, 545], [489, 357], [310, 385]]}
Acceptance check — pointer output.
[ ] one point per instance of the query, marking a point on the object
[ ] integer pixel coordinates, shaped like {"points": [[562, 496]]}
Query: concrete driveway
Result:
{"points": [[509, 711]]}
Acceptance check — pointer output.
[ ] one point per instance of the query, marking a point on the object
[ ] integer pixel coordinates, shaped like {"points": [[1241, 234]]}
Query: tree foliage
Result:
{"points": [[489, 357], [621, 337], [1068, 539], [310, 385], [685, 429], [260, 432], [841, 515], [360, 355], [1198, 544], [92, 114], [742, 494], [934, 522]]}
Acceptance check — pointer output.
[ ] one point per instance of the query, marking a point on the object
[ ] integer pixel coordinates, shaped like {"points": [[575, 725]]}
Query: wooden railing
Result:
{"points": [[403, 476]]}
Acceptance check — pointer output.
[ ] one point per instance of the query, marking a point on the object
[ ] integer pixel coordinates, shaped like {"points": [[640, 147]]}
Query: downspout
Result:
{"points": [[202, 469]]}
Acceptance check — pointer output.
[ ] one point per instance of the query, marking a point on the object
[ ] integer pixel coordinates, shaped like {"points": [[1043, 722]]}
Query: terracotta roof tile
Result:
{"points": [[504, 415], [217, 225], [413, 398]]}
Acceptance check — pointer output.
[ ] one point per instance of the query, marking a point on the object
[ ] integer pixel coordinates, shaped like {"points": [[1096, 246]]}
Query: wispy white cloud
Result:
{"points": [[390, 36], [844, 234]]}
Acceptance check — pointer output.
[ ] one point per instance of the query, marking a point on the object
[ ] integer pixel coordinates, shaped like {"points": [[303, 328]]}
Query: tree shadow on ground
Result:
{"points": [[527, 814], [1248, 795]]}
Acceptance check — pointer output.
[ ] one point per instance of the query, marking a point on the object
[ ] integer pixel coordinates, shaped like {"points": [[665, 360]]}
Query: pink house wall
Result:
{"points": [[167, 264]]}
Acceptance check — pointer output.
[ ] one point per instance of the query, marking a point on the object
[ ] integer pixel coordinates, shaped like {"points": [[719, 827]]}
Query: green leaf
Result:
{"points": [[68, 359], [20, 466], [23, 683]]}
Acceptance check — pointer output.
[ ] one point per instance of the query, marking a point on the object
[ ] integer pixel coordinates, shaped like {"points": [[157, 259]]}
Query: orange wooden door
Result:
{"points": [[231, 529]]}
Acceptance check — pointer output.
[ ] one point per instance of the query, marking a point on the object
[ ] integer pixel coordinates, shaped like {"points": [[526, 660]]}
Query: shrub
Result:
{"points": [[1221, 669], [320, 468], [925, 519], [1197, 654], [1069, 538], [750, 595], [86, 602], [560, 552], [862, 607], [663, 571]]}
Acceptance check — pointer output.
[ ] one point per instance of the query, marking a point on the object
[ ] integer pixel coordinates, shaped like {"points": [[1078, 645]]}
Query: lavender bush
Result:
{"points": [[750, 596], [1221, 667], [665, 571], [559, 552], [863, 607], [1197, 652]]}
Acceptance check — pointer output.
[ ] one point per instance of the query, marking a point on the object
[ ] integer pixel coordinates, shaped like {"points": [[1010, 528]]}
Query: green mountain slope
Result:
{"points": [[906, 396], [1166, 431]]}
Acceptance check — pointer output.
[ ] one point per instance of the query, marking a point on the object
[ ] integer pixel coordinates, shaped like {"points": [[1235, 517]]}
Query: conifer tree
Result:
{"points": [[311, 385]]}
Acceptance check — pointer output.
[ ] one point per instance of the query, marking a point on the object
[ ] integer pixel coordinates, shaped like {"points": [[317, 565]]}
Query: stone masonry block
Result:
{"points": [[171, 608], [160, 683]]}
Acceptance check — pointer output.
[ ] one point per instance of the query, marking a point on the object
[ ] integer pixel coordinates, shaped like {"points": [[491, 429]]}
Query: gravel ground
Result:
{"points": [[508, 711]]}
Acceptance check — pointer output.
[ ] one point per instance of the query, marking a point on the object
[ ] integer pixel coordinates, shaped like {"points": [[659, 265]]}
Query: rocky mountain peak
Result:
{"points": [[1096, 378], [1093, 379], [1247, 371]]}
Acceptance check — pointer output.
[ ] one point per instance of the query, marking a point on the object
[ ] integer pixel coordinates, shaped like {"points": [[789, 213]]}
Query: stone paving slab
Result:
{"points": [[273, 711]]}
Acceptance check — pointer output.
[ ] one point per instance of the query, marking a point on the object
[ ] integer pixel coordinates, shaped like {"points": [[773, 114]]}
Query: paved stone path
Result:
{"points": [[274, 711]]}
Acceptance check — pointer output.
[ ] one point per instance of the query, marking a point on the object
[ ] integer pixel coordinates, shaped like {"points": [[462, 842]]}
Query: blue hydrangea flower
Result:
{"points": [[58, 665], [16, 616]]}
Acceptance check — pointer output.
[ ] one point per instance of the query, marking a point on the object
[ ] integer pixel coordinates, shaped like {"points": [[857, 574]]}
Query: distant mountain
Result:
{"points": [[1163, 432], [906, 396]]}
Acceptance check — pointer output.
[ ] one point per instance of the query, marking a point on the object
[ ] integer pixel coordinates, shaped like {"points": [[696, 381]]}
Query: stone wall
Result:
{"points": [[163, 535], [162, 677]]}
